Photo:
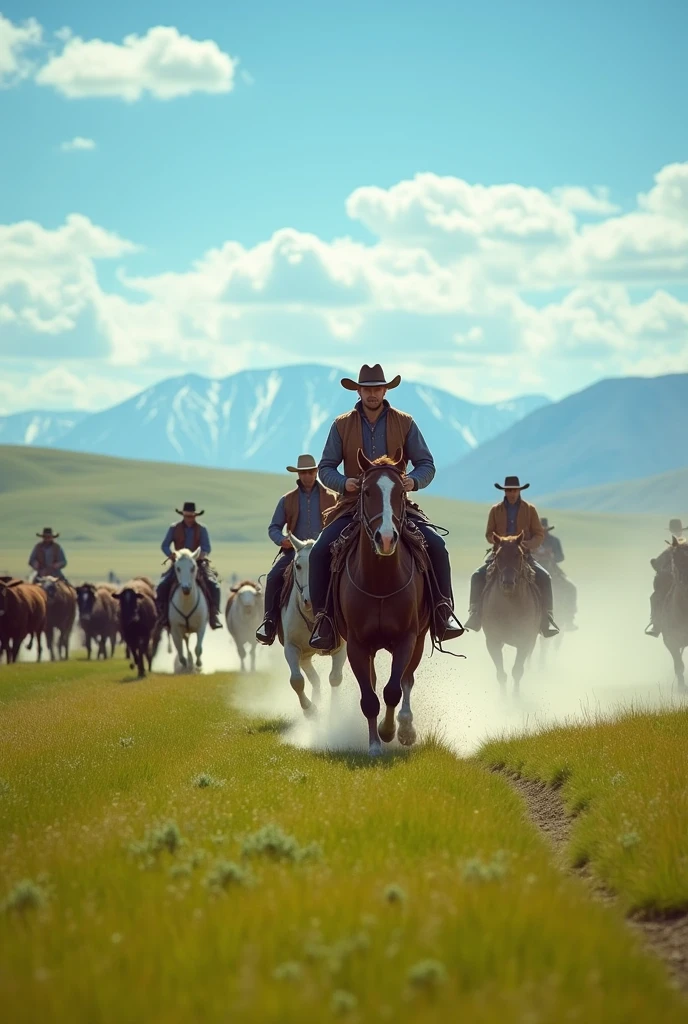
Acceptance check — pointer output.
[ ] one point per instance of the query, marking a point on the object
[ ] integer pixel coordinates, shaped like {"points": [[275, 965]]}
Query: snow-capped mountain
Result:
{"points": [[40, 429], [262, 419]]}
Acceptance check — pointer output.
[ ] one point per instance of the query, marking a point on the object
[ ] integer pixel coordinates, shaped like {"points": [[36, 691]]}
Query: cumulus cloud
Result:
{"points": [[15, 41], [669, 197], [76, 144], [162, 63]]}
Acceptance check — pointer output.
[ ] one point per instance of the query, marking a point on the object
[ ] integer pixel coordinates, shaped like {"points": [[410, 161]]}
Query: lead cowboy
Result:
{"points": [[299, 511], [190, 534], [508, 518], [377, 428], [48, 558]]}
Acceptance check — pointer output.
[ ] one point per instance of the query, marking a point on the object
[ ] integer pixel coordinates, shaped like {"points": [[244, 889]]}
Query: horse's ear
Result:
{"points": [[519, 539], [296, 543], [495, 539], [196, 554], [674, 541], [398, 456], [364, 462]]}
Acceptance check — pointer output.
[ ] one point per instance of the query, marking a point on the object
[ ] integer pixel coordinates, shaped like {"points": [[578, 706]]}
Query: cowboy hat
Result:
{"points": [[189, 508], [545, 524], [511, 483], [304, 462], [676, 527], [48, 532], [370, 377]]}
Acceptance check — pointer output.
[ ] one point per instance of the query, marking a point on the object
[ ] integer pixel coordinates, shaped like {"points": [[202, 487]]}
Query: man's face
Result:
{"points": [[307, 477], [512, 495], [372, 398], [189, 519], [47, 539]]}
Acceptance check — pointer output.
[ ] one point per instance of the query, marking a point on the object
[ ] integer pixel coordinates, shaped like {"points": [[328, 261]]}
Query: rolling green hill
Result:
{"points": [[113, 513]]}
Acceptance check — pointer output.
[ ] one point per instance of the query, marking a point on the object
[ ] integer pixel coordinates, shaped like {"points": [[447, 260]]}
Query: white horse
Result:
{"points": [[188, 608], [243, 615], [297, 625]]}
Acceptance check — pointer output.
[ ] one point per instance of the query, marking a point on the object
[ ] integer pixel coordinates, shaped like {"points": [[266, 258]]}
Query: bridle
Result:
{"points": [[398, 520], [300, 590], [520, 572]]}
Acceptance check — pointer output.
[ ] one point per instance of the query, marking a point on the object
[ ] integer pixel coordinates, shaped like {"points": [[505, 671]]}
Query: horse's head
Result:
{"points": [[509, 557], [186, 568], [383, 500], [247, 597], [85, 599], [679, 558], [303, 550]]}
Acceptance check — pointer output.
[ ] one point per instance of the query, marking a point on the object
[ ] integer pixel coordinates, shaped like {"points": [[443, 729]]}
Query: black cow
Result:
{"points": [[137, 613]]}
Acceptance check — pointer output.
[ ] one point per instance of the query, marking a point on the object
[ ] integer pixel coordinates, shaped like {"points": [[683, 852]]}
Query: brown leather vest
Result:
{"points": [[350, 430], [40, 555], [179, 538], [291, 505]]}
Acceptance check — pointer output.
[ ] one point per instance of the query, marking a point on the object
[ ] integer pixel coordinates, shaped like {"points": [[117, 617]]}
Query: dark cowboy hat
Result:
{"points": [[512, 483], [303, 462], [676, 527], [370, 377], [189, 508], [545, 524], [48, 532]]}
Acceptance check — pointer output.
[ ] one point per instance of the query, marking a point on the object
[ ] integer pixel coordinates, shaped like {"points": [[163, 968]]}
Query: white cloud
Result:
{"points": [[77, 143], [669, 197], [582, 200], [62, 387], [15, 40], [162, 63]]}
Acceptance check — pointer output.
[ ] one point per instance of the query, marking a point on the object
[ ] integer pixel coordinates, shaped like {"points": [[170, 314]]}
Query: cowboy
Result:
{"points": [[188, 533], [48, 558], [377, 428], [508, 518], [301, 512], [551, 546], [663, 579]]}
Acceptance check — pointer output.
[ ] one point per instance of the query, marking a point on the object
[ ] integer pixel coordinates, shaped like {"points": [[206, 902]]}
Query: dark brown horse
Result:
{"points": [[381, 602], [511, 606], [675, 610]]}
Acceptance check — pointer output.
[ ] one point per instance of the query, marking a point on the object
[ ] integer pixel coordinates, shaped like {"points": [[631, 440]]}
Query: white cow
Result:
{"points": [[297, 626], [243, 615]]}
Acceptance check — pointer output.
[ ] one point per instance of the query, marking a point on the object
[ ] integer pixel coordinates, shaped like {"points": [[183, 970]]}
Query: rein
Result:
{"points": [[298, 603], [367, 522]]}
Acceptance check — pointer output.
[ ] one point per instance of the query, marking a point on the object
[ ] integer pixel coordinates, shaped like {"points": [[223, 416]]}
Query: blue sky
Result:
{"points": [[486, 292]]}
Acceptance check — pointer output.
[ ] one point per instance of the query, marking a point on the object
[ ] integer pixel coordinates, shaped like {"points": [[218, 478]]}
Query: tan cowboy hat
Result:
{"points": [[189, 509], [48, 532], [545, 524], [304, 462], [676, 527], [512, 483], [370, 377]]}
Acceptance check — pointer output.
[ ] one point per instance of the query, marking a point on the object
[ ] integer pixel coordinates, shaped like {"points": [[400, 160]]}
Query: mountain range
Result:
{"points": [[256, 419]]}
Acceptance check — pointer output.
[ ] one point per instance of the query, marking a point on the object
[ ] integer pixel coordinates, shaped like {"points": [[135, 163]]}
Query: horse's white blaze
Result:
{"points": [[386, 485]]}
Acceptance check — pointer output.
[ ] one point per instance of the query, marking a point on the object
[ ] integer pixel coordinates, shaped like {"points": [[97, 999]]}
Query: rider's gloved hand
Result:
{"points": [[352, 485]]}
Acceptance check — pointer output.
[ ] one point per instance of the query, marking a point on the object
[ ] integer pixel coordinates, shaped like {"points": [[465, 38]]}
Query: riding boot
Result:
{"points": [[162, 599], [478, 581], [548, 626], [215, 601], [653, 629], [267, 631], [324, 636]]}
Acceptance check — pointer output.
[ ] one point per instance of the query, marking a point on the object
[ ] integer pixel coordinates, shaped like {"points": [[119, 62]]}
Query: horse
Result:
{"points": [[674, 617], [188, 608], [243, 615], [511, 607], [380, 600], [60, 616], [296, 626]]}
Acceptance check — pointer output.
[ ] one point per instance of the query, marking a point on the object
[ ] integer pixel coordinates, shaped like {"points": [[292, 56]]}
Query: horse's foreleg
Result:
{"points": [[178, 641], [241, 648], [401, 657], [313, 677], [361, 662], [407, 732], [292, 653], [494, 649], [199, 646], [676, 652], [337, 670]]}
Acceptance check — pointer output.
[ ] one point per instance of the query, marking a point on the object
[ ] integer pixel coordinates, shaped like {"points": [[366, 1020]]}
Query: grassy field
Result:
{"points": [[166, 859], [627, 777], [113, 514]]}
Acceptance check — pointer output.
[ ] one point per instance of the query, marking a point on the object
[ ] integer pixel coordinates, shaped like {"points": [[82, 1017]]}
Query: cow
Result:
{"points": [[98, 617], [22, 614], [138, 616], [60, 615]]}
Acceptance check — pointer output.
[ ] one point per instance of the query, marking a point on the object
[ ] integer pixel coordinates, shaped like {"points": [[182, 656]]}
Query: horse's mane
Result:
{"points": [[385, 460], [514, 539]]}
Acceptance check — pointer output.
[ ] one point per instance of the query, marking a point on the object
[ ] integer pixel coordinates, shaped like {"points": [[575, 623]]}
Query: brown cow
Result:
{"points": [[60, 615], [138, 615], [22, 614], [98, 617]]}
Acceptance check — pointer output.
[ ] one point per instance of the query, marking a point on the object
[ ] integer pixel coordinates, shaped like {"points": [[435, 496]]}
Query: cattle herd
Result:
{"points": [[43, 612]]}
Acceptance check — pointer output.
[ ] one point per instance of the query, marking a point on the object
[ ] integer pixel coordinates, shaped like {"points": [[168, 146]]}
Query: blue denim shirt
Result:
{"points": [[308, 523], [374, 436], [188, 539], [511, 516]]}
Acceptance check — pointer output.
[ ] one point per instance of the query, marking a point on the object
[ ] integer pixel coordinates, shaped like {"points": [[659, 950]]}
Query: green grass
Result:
{"points": [[627, 777], [113, 514], [288, 886]]}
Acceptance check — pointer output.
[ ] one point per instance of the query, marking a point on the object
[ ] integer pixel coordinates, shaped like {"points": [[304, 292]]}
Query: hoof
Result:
{"points": [[407, 734], [311, 711], [386, 735], [375, 750]]}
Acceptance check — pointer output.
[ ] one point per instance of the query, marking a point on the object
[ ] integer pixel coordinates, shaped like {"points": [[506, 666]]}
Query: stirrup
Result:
{"points": [[267, 631], [318, 641], [653, 630], [548, 627], [449, 631]]}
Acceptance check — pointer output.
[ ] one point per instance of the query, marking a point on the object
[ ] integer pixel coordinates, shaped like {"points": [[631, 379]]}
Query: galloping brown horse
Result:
{"points": [[381, 601], [511, 606], [675, 611]]}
